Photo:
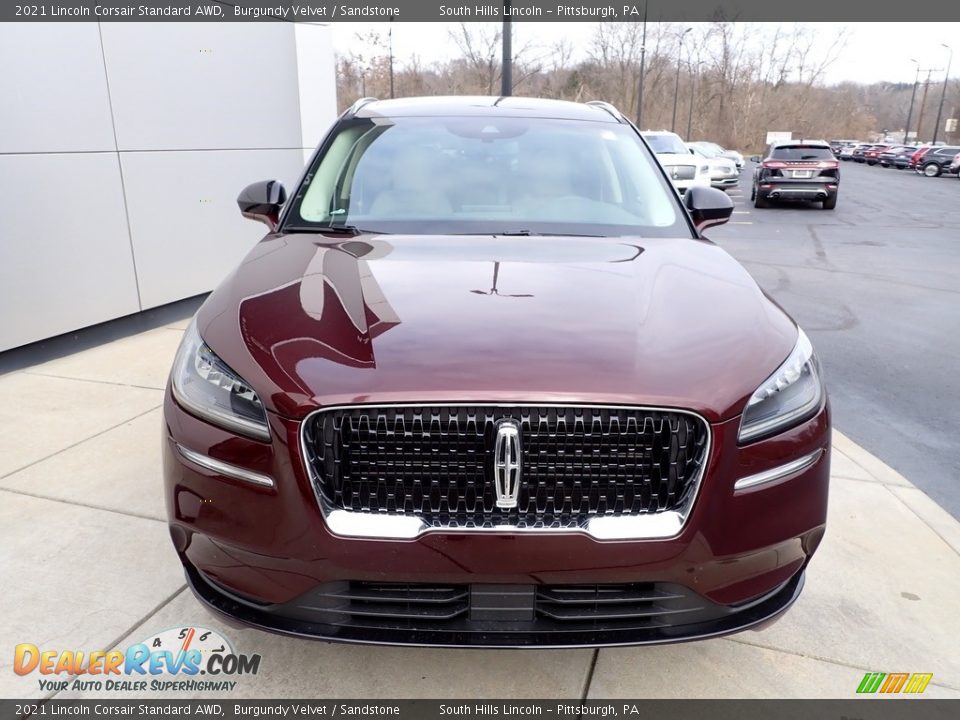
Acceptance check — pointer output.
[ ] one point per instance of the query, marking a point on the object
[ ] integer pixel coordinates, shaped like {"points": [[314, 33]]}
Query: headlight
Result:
{"points": [[792, 394], [207, 387]]}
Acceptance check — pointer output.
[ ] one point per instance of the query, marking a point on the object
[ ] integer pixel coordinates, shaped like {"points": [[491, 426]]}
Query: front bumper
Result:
{"points": [[301, 619], [685, 184], [255, 552], [725, 181]]}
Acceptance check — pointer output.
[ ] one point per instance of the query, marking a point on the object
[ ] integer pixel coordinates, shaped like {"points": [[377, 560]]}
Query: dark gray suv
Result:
{"points": [[804, 170], [937, 160]]}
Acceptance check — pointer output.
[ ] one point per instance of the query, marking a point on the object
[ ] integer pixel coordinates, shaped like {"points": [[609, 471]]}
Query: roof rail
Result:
{"points": [[358, 105], [609, 109]]}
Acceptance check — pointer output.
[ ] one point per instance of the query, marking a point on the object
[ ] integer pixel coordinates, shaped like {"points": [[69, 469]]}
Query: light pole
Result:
{"points": [[506, 62], [913, 96], [676, 85], [694, 77], [643, 64], [390, 41], [943, 95]]}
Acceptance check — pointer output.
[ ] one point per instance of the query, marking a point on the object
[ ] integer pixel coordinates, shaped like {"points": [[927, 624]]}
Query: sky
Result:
{"points": [[873, 51]]}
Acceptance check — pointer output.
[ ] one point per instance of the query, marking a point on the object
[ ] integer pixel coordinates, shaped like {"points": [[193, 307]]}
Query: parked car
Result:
{"points": [[367, 439], [917, 156], [723, 152], [902, 160], [954, 168], [837, 145], [858, 152], [797, 170], [936, 160], [723, 171], [871, 156], [889, 156], [684, 169], [846, 152]]}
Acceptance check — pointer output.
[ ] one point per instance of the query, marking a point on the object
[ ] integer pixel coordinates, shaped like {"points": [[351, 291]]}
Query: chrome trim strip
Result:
{"points": [[610, 109], [222, 468], [358, 105], [665, 525], [781, 471]]}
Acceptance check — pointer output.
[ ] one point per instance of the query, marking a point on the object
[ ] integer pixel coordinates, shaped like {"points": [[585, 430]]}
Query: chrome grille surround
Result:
{"points": [[680, 172], [660, 521]]}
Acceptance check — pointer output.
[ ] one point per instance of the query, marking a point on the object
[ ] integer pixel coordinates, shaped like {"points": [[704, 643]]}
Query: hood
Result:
{"points": [[309, 320], [677, 159]]}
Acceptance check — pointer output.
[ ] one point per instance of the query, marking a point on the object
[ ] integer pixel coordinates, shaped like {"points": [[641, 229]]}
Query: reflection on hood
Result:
{"points": [[339, 305]]}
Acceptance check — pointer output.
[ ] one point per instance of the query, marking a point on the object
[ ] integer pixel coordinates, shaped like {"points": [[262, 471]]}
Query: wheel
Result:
{"points": [[753, 192], [761, 202], [831, 202], [931, 169]]}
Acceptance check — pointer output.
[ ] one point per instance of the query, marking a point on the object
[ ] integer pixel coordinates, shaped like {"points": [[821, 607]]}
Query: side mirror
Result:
{"points": [[262, 201], [755, 158], [708, 206]]}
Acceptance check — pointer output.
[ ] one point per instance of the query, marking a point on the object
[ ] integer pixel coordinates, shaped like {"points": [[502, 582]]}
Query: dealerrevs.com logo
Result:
{"points": [[186, 659]]}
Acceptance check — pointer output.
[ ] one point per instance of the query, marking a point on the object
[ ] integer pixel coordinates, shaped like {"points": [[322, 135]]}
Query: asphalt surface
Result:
{"points": [[876, 285]]}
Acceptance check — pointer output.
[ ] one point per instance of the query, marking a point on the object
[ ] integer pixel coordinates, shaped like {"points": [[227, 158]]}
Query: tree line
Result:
{"points": [[726, 82]]}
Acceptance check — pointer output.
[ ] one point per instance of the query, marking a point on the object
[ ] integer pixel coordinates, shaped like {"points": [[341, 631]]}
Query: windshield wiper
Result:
{"points": [[351, 230], [530, 233], [340, 229]]}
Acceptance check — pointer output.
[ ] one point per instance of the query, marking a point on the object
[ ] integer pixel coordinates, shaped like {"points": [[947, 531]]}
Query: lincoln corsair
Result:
{"points": [[485, 383]]}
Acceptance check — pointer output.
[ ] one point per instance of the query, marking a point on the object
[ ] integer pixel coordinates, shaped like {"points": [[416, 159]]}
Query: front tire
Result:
{"points": [[931, 170], [831, 202]]}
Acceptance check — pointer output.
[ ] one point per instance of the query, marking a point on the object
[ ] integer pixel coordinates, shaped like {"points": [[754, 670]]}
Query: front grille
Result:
{"points": [[681, 172], [436, 463]]}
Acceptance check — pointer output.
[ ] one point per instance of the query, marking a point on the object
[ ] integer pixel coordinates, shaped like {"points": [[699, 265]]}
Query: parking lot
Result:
{"points": [[90, 565], [876, 285]]}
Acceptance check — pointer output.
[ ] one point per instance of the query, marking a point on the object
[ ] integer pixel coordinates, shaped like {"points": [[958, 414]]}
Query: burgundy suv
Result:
{"points": [[484, 383]]}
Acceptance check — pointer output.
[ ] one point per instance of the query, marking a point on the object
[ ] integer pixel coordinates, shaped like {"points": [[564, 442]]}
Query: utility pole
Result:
{"points": [[923, 102], [694, 77], [943, 95], [506, 64], [643, 63], [676, 85], [913, 95], [390, 41]]}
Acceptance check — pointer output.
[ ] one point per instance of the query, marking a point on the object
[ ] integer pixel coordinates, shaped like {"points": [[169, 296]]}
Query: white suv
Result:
{"points": [[684, 169]]}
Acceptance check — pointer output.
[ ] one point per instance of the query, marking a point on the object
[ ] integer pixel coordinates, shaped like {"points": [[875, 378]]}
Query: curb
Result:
{"points": [[942, 523]]}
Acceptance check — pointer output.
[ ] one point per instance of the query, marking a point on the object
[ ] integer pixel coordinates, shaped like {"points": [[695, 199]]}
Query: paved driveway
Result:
{"points": [[87, 564], [876, 284]]}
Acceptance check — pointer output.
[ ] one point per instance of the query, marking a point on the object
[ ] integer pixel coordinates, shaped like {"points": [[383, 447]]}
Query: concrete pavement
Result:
{"points": [[87, 562]]}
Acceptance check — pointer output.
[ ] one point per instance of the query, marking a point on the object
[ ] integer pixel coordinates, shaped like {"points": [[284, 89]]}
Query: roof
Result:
{"points": [[808, 143], [481, 106]]}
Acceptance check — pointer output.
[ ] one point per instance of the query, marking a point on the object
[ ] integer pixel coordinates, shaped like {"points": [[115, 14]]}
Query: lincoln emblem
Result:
{"points": [[506, 463]]}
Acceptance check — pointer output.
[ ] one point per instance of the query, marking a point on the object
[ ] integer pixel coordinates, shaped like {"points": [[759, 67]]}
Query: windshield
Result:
{"points": [[486, 175], [705, 151], [666, 144], [802, 152]]}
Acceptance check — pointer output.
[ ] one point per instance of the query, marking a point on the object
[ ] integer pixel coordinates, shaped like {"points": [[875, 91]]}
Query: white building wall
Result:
{"points": [[122, 149]]}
